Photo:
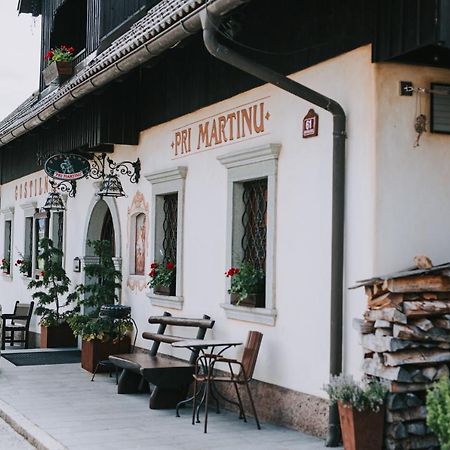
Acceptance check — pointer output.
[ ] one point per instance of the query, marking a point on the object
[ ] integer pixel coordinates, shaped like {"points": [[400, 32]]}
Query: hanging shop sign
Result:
{"points": [[67, 167], [238, 124], [310, 124]]}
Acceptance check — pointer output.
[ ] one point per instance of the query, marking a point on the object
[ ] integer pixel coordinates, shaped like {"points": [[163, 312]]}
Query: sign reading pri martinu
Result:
{"points": [[67, 167], [238, 124]]}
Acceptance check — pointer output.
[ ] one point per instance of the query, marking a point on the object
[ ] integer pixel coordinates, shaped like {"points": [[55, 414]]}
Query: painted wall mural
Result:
{"points": [[137, 243]]}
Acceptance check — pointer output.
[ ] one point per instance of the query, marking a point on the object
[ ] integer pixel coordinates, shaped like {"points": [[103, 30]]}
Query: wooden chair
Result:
{"points": [[243, 377], [17, 322]]}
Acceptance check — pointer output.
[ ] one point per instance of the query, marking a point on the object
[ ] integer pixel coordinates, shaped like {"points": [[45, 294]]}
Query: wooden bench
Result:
{"points": [[169, 377]]}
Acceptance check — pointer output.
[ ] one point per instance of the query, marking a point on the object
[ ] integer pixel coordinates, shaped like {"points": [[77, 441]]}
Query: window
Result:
{"points": [[41, 231], [167, 226], [252, 180], [57, 234], [8, 227], [29, 239]]}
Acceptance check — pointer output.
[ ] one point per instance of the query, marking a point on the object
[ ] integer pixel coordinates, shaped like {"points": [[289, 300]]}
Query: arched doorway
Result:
{"points": [[103, 225]]}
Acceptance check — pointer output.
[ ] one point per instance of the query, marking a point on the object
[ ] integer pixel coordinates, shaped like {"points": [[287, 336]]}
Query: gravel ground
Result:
{"points": [[10, 440]]}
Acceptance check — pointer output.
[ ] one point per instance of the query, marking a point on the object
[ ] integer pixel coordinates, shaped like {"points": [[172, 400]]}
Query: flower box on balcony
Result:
{"points": [[57, 72]]}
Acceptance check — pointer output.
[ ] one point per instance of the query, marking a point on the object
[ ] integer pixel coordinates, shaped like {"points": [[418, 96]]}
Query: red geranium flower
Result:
{"points": [[42, 273], [170, 265], [153, 265], [71, 50], [152, 273]]}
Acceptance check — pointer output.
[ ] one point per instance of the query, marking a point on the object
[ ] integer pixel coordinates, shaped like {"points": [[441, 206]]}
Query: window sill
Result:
{"points": [[166, 301], [265, 316], [7, 276]]}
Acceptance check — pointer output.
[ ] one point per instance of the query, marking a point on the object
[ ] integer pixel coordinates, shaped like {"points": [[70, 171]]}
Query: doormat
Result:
{"points": [[44, 358]]}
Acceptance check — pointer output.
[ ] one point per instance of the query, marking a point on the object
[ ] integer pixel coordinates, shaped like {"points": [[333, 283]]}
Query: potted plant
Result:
{"points": [[162, 278], [361, 411], [59, 64], [5, 266], [52, 297], [438, 412], [24, 265], [248, 284], [101, 336]]}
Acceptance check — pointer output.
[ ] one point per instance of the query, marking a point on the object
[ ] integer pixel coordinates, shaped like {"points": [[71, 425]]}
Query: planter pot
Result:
{"points": [[57, 72], [361, 430], [95, 350], [252, 300], [57, 336], [165, 290]]}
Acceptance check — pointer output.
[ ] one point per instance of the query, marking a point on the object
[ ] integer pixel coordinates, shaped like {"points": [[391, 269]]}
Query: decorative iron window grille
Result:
{"points": [[28, 250], [169, 244], [254, 222], [8, 235]]}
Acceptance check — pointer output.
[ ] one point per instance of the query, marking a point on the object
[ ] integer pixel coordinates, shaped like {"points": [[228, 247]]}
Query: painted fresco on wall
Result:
{"points": [[137, 243], [140, 244]]}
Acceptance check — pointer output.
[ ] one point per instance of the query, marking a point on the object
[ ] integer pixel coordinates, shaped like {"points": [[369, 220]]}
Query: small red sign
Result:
{"points": [[311, 124]]}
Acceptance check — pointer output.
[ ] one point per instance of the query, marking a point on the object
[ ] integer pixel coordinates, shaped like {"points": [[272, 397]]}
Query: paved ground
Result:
{"points": [[61, 404], [10, 440]]}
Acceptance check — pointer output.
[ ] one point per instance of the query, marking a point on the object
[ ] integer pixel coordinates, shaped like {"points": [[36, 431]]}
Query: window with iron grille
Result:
{"points": [[169, 225], [250, 233], [254, 222], [28, 248], [167, 233]]}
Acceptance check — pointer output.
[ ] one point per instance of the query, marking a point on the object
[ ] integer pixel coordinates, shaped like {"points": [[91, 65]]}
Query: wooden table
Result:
{"points": [[220, 345]]}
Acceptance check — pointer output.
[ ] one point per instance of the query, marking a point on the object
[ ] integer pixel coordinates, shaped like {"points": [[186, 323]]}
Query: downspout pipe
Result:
{"points": [[231, 57]]}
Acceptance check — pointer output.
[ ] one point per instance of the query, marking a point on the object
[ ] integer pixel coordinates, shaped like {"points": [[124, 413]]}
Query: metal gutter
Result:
{"points": [[229, 56], [151, 47]]}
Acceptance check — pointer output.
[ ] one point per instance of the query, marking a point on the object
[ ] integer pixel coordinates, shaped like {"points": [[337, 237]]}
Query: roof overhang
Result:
{"points": [[29, 7], [164, 26]]}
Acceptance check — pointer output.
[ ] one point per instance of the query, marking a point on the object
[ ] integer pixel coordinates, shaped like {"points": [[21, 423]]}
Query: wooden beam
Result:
{"points": [[419, 283]]}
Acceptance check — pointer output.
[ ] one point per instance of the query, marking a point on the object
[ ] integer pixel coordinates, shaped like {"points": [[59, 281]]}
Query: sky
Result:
{"points": [[20, 53]]}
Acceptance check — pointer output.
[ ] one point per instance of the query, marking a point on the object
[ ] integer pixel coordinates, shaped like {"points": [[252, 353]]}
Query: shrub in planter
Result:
{"points": [[53, 298], [361, 411], [248, 284], [104, 332], [438, 411]]}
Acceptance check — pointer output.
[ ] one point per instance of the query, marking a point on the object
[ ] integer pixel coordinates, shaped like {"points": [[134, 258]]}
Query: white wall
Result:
{"points": [[295, 352]]}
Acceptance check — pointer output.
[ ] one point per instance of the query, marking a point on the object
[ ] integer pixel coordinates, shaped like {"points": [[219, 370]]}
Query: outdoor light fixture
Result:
{"points": [[54, 202], [111, 187]]}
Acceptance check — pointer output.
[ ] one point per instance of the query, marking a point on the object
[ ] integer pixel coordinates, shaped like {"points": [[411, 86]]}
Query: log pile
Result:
{"points": [[405, 335]]}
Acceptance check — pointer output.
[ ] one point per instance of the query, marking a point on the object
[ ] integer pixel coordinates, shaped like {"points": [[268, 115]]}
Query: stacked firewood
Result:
{"points": [[406, 339]]}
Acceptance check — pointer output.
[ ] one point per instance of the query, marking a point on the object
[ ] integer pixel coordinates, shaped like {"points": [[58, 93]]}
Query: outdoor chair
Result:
{"points": [[246, 368], [17, 322]]}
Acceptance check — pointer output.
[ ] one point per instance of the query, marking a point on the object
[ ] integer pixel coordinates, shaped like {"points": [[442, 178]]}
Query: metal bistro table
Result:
{"points": [[206, 364]]}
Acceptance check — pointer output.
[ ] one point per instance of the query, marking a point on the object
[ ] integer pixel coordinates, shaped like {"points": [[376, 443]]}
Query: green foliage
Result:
{"points": [[246, 280], [363, 396], [5, 265], [24, 265], [438, 411], [162, 274], [61, 53], [104, 281], [52, 286]]}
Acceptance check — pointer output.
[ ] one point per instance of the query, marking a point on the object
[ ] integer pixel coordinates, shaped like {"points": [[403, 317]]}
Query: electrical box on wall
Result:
{"points": [[440, 108]]}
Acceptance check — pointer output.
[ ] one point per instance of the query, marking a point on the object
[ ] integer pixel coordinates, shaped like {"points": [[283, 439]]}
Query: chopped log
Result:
{"points": [[425, 308], [429, 373], [363, 326], [430, 296], [388, 300], [382, 344], [399, 387], [383, 332], [413, 443], [378, 289], [389, 314], [415, 333], [368, 291], [443, 372], [441, 322], [418, 283], [403, 415], [382, 324], [371, 366], [418, 377], [402, 401], [396, 431], [417, 428], [424, 324], [416, 356]]}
